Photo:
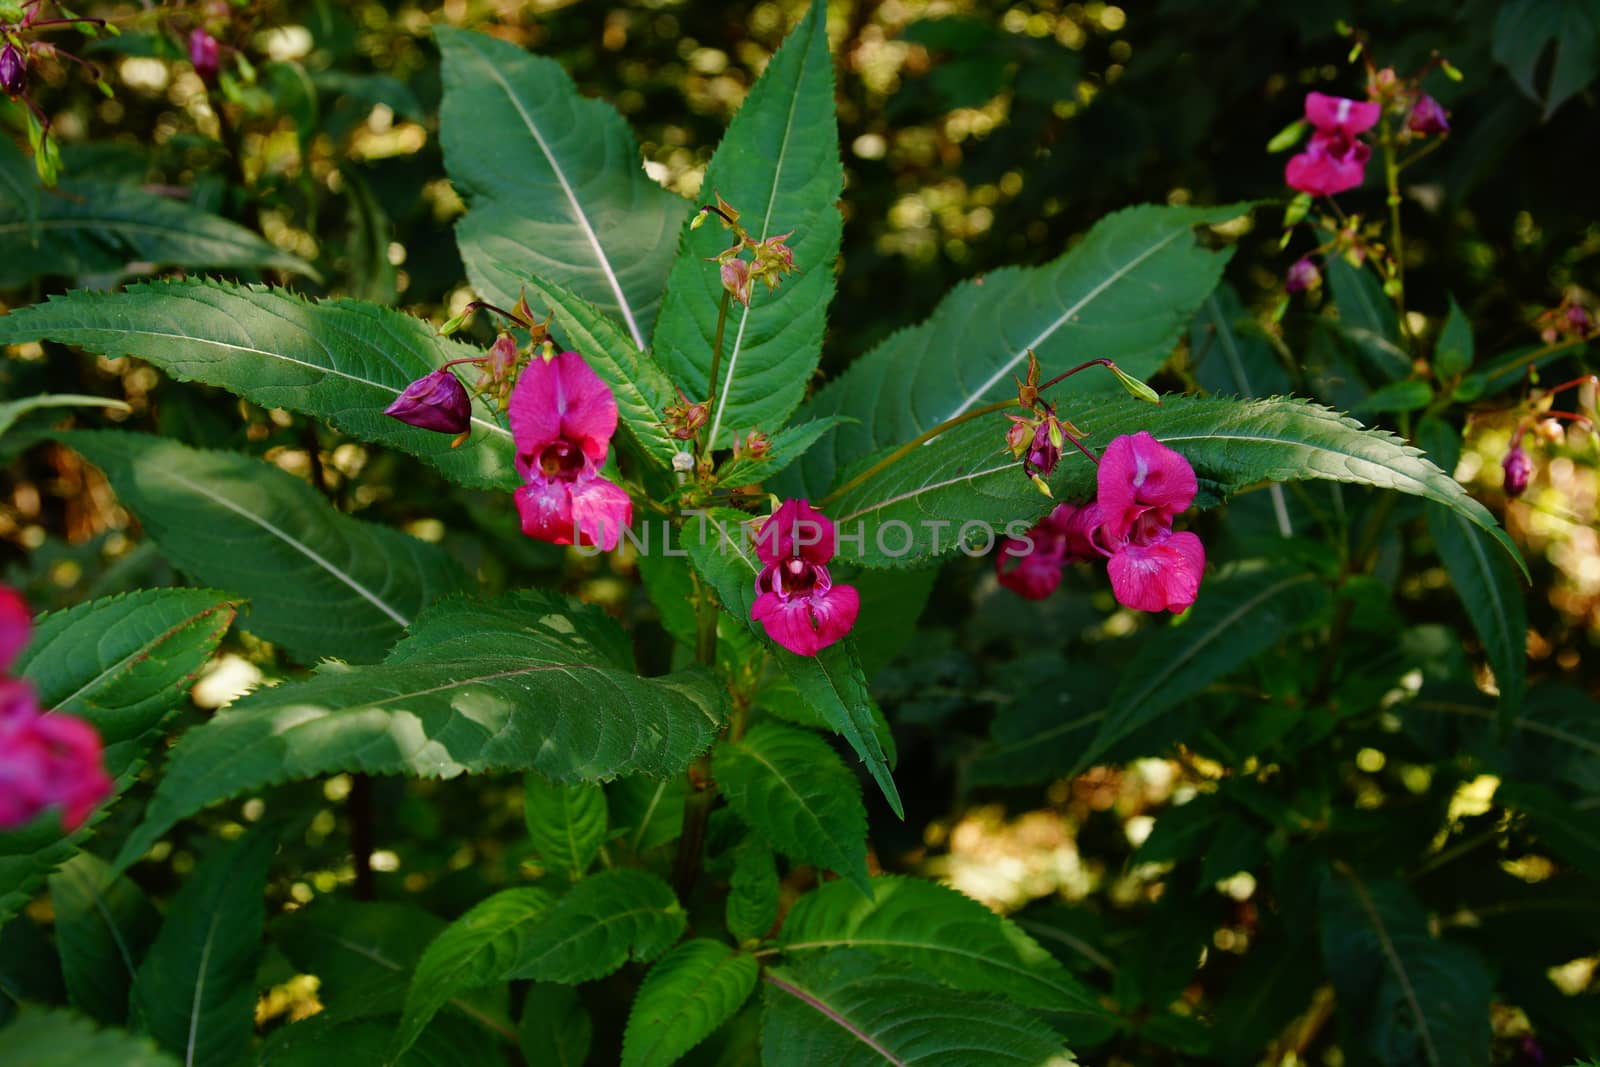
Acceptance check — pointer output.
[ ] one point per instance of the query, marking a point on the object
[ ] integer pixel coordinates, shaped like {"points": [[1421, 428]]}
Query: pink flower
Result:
{"points": [[797, 602], [205, 54], [1140, 476], [1331, 163], [46, 761], [1428, 116], [1341, 115], [436, 401], [1060, 538], [562, 419], [15, 625]]}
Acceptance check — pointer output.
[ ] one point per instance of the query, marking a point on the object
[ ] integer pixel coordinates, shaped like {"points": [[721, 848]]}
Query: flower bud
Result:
{"points": [[755, 446], [436, 401], [13, 70], [1302, 275], [205, 54], [1044, 453], [1578, 320], [1019, 435], [684, 418], [736, 280], [1428, 116], [1518, 468]]}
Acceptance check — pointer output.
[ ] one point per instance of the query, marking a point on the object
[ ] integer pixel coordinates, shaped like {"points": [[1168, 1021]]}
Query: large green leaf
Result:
{"points": [[55, 1038], [195, 992], [319, 582], [556, 1030], [329, 1037], [1125, 292], [86, 226], [940, 932], [528, 681], [831, 682], [1405, 999], [690, 992], [1525, 29], [793, 790], [566, 822], [1229, 353], [1239, 615], [1491, 595], [967, 480], [342, 361], [778, 165], [103, 927], [476, 950], [554, 183], [850, 1009], [1368, 319], [753, 891]]}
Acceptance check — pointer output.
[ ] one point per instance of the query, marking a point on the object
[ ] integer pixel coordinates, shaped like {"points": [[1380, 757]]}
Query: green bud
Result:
{"points": [[1134, 386], [1287, 137], [1041, 485], [1450, 70], [1297, 210], [699, 219], [455, 324], [1053, 431]]}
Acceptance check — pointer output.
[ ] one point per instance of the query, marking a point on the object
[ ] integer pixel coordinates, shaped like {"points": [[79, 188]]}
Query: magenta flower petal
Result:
{"points": [[600, 512], [1139, 474], [46, 761], [1163, 575], [807, 624], [561, 400], [1026, 570], [1339, 114], [545, 507], [436, 401], [797, 530], [15, 625], [1428, 116], [1330, 164]]}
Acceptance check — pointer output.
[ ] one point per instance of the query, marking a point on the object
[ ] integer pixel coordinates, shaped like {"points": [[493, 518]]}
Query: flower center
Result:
{"points": [[796, 577], [561, 459]]}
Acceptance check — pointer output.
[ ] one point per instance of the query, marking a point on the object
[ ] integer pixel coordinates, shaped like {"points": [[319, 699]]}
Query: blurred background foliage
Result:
{"points": [[976, 135]]}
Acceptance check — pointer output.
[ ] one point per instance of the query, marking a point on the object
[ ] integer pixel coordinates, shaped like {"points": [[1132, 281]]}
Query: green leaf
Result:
{"points": [[342, 361], [1264, 995], [103, 927], [12, 410], [1125, 292], [54, 1038], [967, 480], [1564, 828], [566, 823], [938, 931], [1409, 395], [785, 447], [1525, 29], [850, 1009], [507, 684], [791, 788], [1453, 354], [556, 1030], [1229, 352], [648, 811], [642, 389], [479, 949], [1491, 595], [779, 166], [1404, 998], [553, 181], [319, 582], [124, 663], [330, 1037], [104, 227], [1238, 615], [195, 992], [831, 682], [752, 891], [1367, 319], [613, 917], [694, 989]]}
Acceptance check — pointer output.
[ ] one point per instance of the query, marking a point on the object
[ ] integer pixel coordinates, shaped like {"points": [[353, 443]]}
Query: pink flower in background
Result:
{"points": [[1518, 468], [796, 600], [1060, 538], [562, 419], [1340, 114], [205, 54], [1332, 163]]}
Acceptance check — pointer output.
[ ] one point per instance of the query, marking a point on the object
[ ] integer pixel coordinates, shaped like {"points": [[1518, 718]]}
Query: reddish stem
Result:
{"points": [[1082, 366]]}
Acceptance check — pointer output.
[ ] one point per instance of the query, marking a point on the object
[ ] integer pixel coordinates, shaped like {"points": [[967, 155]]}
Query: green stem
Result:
{"points": [[912, 445], [1397, 239]]}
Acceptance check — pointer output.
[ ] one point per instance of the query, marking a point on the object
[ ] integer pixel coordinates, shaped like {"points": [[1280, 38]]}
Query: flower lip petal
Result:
{"points": [[1330, 164], [601, 510], [1163, 575], [545, 508], [805, 625]]}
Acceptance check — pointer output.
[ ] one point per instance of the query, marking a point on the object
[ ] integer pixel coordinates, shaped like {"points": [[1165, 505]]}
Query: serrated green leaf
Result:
{"points": [[791, 788], [690, 992], [1454, 352], [53, 1038], [648, 811], [778, 165], [850, 1009], [479, 949], [1368, 319], [331, 1037], [1125, 292], [937, 931], [99, 227], [195, 992], [556, 1030], [103, 927], [319, 582], [553, 181], [566, 823], [1238, 615], [1491, 596], [831, 682], [507, 684], [613, 917], [752, 891], [966, 478], [1404, 997], [342, 361], [786, 446], [1409, 395]]}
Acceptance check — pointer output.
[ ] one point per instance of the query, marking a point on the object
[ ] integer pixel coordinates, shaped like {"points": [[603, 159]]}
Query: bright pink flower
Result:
{"points": [[15, 625], [797, 602], [1139, 475], [1064, 536], [1332, 163], [1341, 115], [562, 419], [46, 761], [1156, 569]]}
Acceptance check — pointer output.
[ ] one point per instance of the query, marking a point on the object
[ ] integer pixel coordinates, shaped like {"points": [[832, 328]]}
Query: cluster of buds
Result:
{"points": [[1568, 321], [1538, 413], [770, 258], [1039, 437], [755, 446], [20, 48], [1403, 97], [684, 418]]}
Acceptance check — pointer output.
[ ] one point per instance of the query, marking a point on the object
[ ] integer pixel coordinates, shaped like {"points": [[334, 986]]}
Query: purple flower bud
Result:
{"points": [[1428, 117], [1302, 275], [1043, 454], [1577, 319], [13, 71], [1518, 467], [437, 401], [205, 54]]}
